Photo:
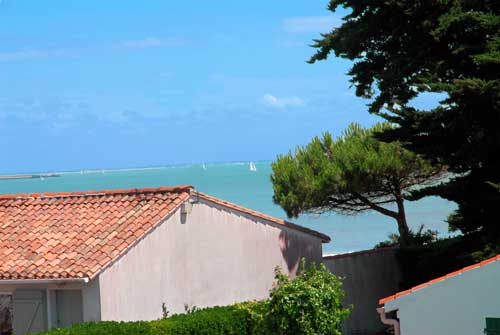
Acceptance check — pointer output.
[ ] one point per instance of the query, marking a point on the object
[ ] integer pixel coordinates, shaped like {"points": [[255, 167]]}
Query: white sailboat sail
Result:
{"points": [[253, 168]]}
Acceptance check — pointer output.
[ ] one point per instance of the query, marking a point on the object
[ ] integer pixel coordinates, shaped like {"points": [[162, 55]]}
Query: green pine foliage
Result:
{"points": [[350, 174], [402, 49]]}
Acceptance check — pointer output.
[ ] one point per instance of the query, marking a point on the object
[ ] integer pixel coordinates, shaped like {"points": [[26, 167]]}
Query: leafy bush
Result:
{"points": [[420, 237], [104, 328], [230, 320], [257, 317], [309, 304]]}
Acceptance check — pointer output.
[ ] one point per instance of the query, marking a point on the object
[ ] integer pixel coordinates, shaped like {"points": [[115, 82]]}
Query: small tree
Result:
{"points": [[311, 304], [349, 175]]}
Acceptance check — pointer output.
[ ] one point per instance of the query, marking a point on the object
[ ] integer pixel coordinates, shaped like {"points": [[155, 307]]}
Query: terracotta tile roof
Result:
{"points": [[77, 234], [449, 275], [324, 238]]}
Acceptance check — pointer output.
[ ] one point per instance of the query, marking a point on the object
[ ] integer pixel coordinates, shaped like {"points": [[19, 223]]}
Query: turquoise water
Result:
{"points": [[234, 182]]}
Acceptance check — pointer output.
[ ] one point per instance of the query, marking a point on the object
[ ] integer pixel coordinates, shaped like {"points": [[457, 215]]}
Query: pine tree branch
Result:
{"points": [[376, 207]]}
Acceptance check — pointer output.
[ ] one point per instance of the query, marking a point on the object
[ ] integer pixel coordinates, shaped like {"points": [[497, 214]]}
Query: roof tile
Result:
{"points": [[77, 234]]}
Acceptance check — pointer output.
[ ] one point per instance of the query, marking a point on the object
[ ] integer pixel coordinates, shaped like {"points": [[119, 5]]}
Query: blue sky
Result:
{"points": [[107, 84]]}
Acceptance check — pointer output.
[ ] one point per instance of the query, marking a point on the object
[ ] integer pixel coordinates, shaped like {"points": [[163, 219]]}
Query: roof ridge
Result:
{"points": [[438, 279], [173, 189], [325, 238]]}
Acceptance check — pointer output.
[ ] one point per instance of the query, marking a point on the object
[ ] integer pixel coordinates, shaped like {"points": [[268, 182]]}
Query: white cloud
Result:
{"points": [[272, 101], [39, 53], [23, 54], [311, 24], [152, 42]]}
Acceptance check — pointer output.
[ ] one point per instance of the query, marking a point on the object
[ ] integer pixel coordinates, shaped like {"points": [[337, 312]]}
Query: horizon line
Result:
{"points": [[126, 169]]}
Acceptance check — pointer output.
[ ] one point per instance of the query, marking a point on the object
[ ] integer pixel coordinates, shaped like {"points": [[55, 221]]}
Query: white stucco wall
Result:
{"points": [[457, 305], [216, 257]]}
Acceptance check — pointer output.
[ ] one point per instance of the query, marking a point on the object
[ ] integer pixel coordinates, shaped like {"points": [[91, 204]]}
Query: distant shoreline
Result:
{"points": [[59, 173], [29, 176]]}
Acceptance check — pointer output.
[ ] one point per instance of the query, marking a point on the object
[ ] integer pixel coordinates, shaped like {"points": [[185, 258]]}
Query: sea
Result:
{"points": [[236, 182]]}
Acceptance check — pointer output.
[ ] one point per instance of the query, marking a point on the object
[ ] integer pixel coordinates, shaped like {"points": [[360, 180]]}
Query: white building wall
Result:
{"points": [[457, 305], [213, 257]]}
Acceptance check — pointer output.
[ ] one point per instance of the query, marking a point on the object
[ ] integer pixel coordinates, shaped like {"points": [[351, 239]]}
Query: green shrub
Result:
{"points": [[257, 317], [420, 237], [104, 328], [229, 320], [309, 304]]}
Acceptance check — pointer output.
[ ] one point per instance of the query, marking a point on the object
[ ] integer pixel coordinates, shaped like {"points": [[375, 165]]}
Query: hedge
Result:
{"points": [[239, 319]]}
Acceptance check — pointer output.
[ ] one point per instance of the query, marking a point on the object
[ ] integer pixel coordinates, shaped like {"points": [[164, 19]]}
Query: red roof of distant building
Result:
{"points": [[449, 275], [78, 234]]}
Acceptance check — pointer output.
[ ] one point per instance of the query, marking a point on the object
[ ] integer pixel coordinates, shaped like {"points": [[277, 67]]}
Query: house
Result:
{"points": [[367, 276], [122, 254], [458, 303]]}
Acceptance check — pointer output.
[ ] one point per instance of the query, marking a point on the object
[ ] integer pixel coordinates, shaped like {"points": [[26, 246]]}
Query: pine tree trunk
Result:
{"points": [[404, 230], [399, 216]]}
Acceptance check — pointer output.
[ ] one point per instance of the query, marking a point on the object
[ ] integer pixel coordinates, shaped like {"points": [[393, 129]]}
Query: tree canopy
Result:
{"points": [[402, 49], [350, 174]]}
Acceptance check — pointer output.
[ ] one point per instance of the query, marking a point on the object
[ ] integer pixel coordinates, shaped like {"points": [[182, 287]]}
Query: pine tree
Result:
{"points": [[351, 174], [402, 49]]}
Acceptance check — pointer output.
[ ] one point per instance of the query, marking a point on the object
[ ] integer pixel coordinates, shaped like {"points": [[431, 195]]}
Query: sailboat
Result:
{"points": [[253, 168], [204, 166]]}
